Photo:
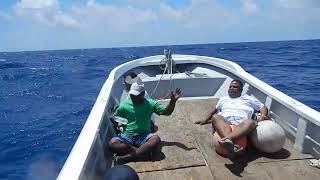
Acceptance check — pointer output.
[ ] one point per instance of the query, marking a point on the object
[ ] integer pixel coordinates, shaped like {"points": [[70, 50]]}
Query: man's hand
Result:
{"points": [[202, 122], [262, 118], [263, 114], [175, 95]]}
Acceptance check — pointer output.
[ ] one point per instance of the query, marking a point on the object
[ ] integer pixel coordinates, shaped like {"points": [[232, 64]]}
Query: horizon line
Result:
{"points": [[118, 47]]}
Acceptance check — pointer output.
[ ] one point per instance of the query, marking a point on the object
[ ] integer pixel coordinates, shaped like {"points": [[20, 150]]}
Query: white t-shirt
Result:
{"points": [[243, 106]]}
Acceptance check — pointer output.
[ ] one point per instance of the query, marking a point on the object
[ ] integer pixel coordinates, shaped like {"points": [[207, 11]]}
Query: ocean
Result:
{"points": [[46, 96]]}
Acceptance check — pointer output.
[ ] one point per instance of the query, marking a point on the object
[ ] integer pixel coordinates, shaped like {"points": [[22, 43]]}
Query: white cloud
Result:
{"points": [[108, 17], [201, 14], [283, 20], [297, 4], [144, 3], [46, 12], [250, 7], [132, 16], [126, 17], [299, 14], [155, 22], [91, 2], [38, 4], [5, 16]]}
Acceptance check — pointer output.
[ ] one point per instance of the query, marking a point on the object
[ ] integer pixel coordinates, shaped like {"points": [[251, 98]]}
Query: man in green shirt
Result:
{"points": [[136, 139]]}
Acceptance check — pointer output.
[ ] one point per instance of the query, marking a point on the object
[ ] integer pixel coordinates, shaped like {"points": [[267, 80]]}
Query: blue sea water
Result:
{"points": [[46, 96]]}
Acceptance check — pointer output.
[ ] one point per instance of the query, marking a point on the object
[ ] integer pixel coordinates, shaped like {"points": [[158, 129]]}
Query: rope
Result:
{"points": [[170, 81], [164, 71], [169, 90], [163, 63], [168, 59]]}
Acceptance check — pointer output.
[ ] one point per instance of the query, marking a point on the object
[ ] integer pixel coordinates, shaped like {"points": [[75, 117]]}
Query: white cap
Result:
{"points": [[137, 80], [130, 80], [136, 89]]}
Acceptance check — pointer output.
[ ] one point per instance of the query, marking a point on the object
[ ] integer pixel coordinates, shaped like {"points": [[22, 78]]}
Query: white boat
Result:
{"points": [[186, 147]]}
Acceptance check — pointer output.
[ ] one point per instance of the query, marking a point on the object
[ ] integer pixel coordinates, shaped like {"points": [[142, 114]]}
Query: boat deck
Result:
{"points": [[186, 152]]}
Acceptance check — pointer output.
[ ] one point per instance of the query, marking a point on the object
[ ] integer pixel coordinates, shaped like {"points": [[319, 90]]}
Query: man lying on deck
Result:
{"points": [[136, 141], [232, 120]]}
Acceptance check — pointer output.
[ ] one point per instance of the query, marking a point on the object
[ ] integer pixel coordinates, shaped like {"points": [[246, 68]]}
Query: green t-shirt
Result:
{"points": [[138, 116]]}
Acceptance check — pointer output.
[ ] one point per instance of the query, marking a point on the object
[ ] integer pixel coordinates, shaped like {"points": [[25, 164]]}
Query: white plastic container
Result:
{"points": [[120, 120]]}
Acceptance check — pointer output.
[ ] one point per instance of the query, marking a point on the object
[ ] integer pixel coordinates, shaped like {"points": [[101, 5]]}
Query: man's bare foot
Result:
{"points": [[124, 159], [233, 149]]}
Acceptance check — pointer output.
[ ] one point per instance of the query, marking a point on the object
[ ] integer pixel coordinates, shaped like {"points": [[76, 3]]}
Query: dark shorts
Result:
{"points": [[134, 140]]}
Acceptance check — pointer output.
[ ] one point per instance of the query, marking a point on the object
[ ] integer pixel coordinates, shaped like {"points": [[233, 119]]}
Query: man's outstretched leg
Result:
{"points": [[231, 136], [238, 136], [223, 129], [241, 130], [221, 126]]}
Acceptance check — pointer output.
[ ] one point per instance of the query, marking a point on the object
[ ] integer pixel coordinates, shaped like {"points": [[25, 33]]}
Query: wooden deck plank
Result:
{"points": [[193, 173], [294, 169], [178, 148]]}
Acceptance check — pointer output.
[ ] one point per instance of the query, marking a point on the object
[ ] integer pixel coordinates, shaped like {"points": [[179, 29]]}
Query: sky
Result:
{"points": [[78, 24]]}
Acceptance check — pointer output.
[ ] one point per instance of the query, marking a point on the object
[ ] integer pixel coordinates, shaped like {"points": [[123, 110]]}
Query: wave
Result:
{"points": [[39, 68], [12, 77], [241, 48], [11, 65]]}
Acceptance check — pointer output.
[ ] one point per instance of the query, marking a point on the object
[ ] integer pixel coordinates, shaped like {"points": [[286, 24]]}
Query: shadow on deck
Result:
{"points": [[186, 153]]}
